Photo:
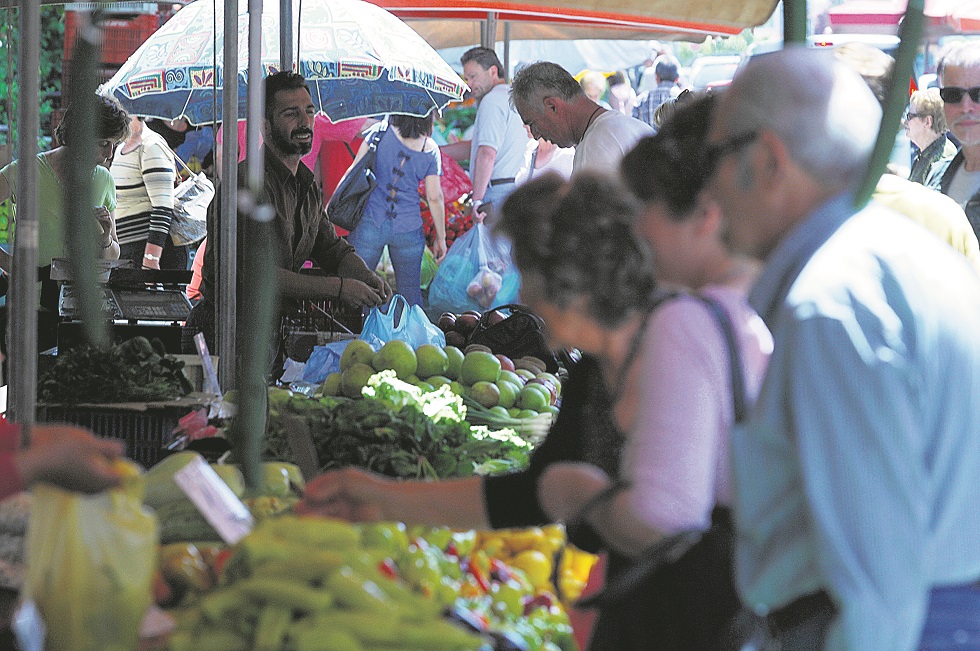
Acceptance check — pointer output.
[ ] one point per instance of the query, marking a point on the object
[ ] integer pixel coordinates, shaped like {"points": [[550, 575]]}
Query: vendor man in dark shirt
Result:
{"points": [[302, 230]]}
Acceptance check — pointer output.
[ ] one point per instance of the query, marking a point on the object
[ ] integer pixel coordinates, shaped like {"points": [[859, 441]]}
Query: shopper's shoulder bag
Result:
{"points": [[679, 593], [191, 200], [346, 206]]}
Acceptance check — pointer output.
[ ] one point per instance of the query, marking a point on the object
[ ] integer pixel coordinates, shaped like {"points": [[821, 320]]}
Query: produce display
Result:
{"points": [[312, 583], [510, 390], [396, 429], [179, 518], [136, 370]]}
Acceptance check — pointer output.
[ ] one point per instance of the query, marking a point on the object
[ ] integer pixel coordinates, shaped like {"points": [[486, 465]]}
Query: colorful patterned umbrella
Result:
{"points": [[359, 60]]}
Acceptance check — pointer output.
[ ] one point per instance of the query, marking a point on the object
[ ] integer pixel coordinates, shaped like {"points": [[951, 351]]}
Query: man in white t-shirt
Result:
{"points": [[959, 80], [554, 107], [499, 138]]}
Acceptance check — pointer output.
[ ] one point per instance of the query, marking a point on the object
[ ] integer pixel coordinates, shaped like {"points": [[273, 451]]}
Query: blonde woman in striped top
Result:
{"points": [[145, 173]]}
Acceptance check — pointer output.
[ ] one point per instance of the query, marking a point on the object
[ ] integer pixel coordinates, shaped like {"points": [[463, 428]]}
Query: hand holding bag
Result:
{"points": [[399, 320], [346, 206], [191, 200]]}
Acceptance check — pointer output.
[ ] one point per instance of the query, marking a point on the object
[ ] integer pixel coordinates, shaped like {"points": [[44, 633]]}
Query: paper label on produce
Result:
{"points": [[215, 500]]}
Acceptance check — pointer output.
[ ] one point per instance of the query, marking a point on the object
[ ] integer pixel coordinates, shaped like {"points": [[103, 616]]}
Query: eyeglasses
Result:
{"points": [[909, 116], [717, 152], [954, 94]]}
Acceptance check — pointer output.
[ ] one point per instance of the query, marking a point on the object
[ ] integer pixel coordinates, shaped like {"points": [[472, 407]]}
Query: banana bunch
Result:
{"points": [[305, 584]]}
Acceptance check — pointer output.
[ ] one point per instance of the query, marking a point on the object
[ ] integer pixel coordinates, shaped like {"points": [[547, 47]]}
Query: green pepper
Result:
{"points": [[325, 639], [273, 622], [286, 594]]}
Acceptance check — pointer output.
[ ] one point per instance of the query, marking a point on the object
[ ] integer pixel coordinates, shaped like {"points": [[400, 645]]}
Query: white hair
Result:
{"points": [[823, 111]]}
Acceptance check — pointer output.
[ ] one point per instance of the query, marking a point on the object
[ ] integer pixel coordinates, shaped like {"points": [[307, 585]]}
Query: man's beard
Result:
{"points": [[287, 147]]}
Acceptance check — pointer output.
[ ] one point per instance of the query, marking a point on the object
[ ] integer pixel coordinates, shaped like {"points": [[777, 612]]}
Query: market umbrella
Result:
{"points": [[359, 60]]}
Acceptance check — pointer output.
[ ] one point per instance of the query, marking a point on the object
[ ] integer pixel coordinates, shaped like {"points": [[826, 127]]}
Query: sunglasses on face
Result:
{"points": [[909, 116], [954, 94], [717, 152]]}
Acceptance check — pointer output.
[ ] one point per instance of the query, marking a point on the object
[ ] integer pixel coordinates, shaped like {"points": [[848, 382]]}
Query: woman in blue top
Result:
{"points": [[406, 156]]}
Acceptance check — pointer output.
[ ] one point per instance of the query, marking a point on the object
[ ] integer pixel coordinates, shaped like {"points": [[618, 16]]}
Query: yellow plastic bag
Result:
{"points": [[90, 564]]}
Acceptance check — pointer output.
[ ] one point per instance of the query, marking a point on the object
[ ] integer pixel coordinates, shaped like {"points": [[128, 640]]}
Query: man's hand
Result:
{"points": [[350, 494], [360, 294], [378, 284], [71, 458]]}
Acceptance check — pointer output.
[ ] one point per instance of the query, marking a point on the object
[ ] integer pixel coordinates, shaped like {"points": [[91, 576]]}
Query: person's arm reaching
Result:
{"points": [[362, 496], [66, 456]]}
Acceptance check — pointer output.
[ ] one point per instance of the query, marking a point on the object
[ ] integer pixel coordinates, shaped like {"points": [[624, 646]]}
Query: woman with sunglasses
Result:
{"points": [[925, 125]]}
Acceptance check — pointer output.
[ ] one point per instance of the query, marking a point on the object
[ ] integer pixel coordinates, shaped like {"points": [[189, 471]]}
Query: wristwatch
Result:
{"points": [[150, 256]]}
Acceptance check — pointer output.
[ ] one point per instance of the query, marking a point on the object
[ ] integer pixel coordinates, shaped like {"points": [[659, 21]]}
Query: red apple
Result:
{"points": [[447, 321], [465, 323], [548, 385], [506, 364], [456, 339]]}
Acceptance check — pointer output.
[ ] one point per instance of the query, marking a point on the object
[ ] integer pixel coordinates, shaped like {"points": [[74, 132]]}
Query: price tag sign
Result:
{"points": [[215, 500], [210, 377]]}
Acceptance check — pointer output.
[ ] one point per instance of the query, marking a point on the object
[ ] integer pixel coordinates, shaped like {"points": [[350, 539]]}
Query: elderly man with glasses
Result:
{"points": [[854, 476], [959, 87]]}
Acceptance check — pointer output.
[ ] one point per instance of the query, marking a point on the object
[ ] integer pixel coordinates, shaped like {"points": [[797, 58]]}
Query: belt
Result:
{"points": [[810, 606], [497, 182]]}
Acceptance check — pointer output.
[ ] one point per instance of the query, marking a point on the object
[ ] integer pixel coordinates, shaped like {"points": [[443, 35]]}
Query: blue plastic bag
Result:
{"points": [[477, 274], [325, 360], [399, 320]]}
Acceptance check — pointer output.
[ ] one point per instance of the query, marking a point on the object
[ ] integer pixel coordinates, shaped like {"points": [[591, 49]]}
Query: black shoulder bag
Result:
{"points": [[346, 206], [518, 335], [680, 593]]}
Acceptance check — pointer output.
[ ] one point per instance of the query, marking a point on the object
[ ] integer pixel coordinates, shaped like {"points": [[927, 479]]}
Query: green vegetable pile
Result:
{"points": [[396, 430], [133, 371]]}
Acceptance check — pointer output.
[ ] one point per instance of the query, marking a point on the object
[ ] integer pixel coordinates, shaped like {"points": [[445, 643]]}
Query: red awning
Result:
{"points": [[440, 21], [965, 17], [942, 16]]}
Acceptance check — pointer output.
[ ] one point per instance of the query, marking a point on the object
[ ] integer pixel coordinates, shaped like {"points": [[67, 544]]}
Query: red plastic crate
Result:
{"points": [[120, 36]]}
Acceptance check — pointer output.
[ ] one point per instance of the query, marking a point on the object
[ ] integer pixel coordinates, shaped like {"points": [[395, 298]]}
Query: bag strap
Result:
{"points": [[671, 548], [396, 301], [739, 399]]}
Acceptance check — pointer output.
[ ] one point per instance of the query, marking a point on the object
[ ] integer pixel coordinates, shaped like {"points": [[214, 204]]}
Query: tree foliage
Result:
{"points": [[51, 59]]}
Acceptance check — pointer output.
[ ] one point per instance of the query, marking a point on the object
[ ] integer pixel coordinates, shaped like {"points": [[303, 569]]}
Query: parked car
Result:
{"points": [[712, 69]]}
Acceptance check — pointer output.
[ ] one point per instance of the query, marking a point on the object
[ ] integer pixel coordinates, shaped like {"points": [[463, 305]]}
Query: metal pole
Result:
{"points": [[256, 96], [77, 202], [227, 276], [489, 36], [506, 61], [22, 322], [257, 325], [794, 21], [285, 34], [896, 100]]}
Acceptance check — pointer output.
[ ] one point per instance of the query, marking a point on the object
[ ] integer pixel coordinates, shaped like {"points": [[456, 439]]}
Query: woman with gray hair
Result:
{"points": [[925, 125]]}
